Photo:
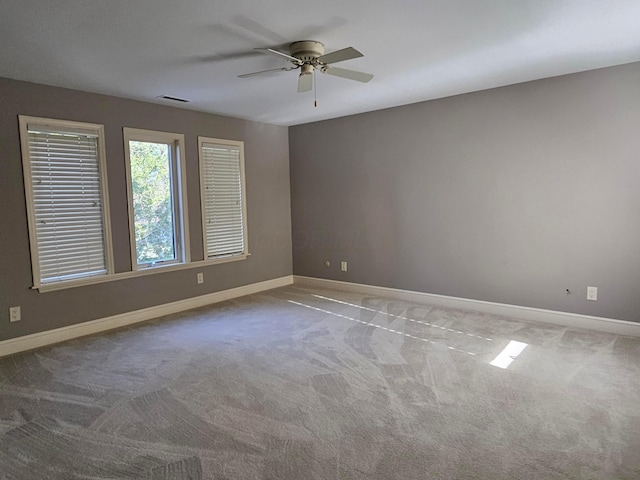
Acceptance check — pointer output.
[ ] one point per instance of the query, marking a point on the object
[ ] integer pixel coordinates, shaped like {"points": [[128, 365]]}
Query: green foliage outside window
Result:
{"points": [[152, 201]]}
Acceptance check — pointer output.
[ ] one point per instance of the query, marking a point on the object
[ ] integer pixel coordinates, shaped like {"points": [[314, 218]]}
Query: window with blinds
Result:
{"points": [[223, 198], [63, 167]]}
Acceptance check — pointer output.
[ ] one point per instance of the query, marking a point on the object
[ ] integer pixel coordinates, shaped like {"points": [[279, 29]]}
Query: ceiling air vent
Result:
{"points": [[173, 99]]}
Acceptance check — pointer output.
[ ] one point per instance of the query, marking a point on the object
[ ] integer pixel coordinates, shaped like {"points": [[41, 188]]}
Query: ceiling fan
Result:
{"points": [[308, 56]]}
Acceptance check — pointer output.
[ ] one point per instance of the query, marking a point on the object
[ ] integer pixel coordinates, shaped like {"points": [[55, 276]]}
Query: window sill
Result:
{"points": [[227, 259], [114, 277]]}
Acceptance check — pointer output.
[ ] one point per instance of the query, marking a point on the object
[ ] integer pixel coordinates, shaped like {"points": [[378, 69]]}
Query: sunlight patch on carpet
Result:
{"points": [[379, 326], [509, 354]]}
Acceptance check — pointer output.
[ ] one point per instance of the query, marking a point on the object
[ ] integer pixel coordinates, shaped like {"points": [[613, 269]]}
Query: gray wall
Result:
{"points": [[268, 207], [510, 195]]}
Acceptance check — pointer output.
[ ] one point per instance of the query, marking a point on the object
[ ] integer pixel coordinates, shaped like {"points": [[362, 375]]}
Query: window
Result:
{"points": [[157, 201], [222, 190], [66, 191]]}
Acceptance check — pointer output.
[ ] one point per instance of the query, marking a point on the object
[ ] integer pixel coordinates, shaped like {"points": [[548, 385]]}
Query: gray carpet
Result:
{"points": [[295, 384]]}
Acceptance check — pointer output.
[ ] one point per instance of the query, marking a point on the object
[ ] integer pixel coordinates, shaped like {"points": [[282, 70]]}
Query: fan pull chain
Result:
{"points": [[315, 91]]}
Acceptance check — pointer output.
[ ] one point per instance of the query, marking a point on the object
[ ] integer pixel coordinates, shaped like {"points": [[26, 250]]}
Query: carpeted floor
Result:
{"points": [[298, 384]]}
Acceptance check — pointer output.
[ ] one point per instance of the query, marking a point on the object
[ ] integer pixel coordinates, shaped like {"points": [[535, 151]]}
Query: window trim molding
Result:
{"points": [[245, 220], [98, 129], [142, 135], [115, 277]]}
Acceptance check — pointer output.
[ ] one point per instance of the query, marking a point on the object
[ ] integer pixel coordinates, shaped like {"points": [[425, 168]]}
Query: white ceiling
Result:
{"points": [[417, 49]]}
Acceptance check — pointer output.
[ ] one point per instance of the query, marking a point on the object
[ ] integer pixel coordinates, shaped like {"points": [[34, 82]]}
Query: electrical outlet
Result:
{"points": [[200, 277], [592, 294], [343, 266], [14, 314]]}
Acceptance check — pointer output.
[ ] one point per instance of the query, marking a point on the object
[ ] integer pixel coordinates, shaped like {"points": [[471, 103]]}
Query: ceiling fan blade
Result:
{"points": [[340, 55], [295, 60], [350, 74], [253, 74], [305, 82]]}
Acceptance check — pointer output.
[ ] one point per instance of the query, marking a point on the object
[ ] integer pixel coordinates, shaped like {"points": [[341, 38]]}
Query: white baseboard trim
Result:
{"points": [[571, 320], [41, 339]]}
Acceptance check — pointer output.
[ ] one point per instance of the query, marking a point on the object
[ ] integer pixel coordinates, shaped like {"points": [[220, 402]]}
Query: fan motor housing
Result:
{"points": [[306, 50]]}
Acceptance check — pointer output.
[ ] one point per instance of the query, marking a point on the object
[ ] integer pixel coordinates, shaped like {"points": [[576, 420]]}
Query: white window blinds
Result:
{"points": [[63, 169], [223, 207]]}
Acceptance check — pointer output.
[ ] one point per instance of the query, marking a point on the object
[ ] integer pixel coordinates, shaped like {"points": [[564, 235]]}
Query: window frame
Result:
{"points": [[233, 257], [64, 126], [179, 189]]}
